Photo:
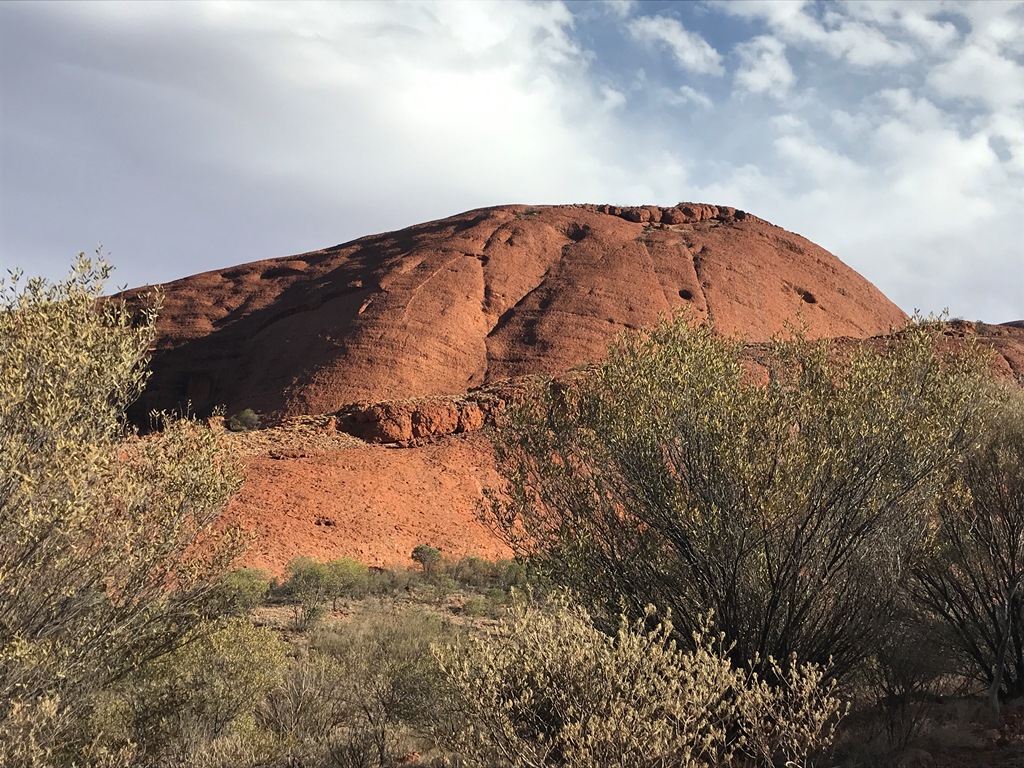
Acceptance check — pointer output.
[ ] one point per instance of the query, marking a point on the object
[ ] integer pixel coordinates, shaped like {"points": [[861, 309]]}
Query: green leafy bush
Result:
{"points": [[548, 689], [175, 708], [790, 506], [974, 581], [108, 559], [361, 696], [428, 557], [243, 421], [346, 576], [308, 583], [243, 589]]}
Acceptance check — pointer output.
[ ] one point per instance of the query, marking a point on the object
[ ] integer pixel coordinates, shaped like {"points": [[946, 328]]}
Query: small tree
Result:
{"points": [[344, 576], [388, 681], [177, 706], [244, 421], [790, 508], [974, 583], [243, 589], [309, 583], [107, 555], [428, 557]]}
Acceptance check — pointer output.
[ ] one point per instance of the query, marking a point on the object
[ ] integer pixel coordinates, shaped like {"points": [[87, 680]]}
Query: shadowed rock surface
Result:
{"points": [[446, 306]]}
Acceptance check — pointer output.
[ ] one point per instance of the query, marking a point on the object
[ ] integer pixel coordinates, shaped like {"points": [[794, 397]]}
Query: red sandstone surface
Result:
{"points": [[406, 340], [446, 306]]}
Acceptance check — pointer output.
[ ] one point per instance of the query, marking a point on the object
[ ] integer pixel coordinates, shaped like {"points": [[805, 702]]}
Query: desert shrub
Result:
{"points": [[790, 507], [179, 706], [308, 584], [243, 421], [391, 680], [429, 558], [548, 689], [107, 556], [898, 688], [361, 695], [345, 576], [512, 574], [243, 589], [472, 571], [476, 607], [974, 582], [382, 582]]}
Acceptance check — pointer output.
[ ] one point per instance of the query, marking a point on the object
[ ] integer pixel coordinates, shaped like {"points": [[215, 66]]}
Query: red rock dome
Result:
{"points": [[442, 307]]}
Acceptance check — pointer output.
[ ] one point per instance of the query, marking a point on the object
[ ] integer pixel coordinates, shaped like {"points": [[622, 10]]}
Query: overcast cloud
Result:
{"points": [[193, 136]]}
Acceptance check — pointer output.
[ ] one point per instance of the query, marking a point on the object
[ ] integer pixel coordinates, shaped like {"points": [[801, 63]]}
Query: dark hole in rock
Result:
{"points": [[686, 295], [576, 232], [808, 297], [279, 271]]}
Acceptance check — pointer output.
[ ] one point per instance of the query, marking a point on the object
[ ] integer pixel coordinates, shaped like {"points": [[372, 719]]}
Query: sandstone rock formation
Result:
{"points": [[383, 357], [446, 306]]}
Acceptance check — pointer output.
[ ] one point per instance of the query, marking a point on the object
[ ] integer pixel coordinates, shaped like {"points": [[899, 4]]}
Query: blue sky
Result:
{"points": [[193, 136]]}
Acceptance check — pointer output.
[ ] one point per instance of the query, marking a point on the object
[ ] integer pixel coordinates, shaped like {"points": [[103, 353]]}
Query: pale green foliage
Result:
{"points": [[345, 575], [974, 582], [106, 550], [548, 689], [244, 421], [243, 589], [788, 507], [428, 557], [307, 581], [360, 696], [176, 708]]}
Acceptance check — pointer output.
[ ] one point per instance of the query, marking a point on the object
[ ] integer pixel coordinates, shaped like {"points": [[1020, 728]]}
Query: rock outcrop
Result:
{"points": [[455, 304], [382, 358]]}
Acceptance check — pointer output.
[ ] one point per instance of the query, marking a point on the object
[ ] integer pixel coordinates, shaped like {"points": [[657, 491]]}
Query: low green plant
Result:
{"points": [[476, 607], [174, 709], [361, 695], [244, 589], [244, 421], [548, 689], [346, 576], [472, 571]]}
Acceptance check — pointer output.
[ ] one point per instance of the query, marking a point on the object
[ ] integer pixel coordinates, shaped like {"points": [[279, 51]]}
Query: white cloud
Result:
{"points": [[764, 67], [687, 95], [264, 120], [837, 34], [915, 17], [612, 98], [193, 136], [620, 8], [978, 73], [690, 51]]}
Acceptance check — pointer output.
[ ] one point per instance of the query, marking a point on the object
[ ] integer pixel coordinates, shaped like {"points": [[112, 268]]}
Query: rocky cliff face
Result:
{"points": [[450, 305]]}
